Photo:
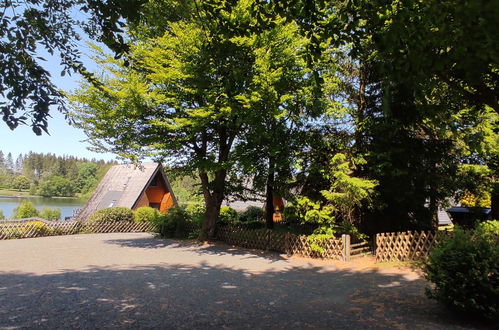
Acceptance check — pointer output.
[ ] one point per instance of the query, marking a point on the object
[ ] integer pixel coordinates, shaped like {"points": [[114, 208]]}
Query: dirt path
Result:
{"points": [[137, 281]]}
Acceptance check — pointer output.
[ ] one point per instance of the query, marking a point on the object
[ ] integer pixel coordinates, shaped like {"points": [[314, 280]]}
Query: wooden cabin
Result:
{"points": [[257, 201], [133, 187]]}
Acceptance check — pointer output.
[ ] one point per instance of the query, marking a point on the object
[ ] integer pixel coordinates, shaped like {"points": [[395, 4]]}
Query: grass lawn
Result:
{"points": [[11, 192]]}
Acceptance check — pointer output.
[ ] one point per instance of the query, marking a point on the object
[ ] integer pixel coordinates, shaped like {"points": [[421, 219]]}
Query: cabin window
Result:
{"points": [[154, 205], [154, 182]]}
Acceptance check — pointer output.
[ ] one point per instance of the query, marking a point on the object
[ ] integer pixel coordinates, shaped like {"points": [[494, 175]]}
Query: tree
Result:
{"points": [[87, 177], [56, 186], [18, 167], [25, 210], [27, 26], [3, 168], [192, 93], [20, 182], [9, 163], [449, 43]]}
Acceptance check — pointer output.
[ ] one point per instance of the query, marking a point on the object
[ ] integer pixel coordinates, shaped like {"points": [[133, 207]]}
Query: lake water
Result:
{"points": [[67, 205]]}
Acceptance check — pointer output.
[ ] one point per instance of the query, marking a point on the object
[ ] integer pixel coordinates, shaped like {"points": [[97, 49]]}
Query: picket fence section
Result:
{"points": [[35, 227]]}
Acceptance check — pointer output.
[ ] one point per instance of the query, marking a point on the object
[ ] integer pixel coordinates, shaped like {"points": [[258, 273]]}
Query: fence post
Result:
{"points": [[287, 244], [345, 239]]}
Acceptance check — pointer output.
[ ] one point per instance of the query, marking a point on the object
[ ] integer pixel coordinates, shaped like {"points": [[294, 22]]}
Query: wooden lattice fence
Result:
{"points": [[264, 239], [35, 227], [405, 246]]}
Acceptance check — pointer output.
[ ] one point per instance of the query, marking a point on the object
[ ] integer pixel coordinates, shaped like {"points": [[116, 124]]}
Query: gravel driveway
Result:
{"points": [[137, 281]]}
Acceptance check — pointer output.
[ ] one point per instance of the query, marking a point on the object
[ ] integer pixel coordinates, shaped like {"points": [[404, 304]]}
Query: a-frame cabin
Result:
{"points": [[132, 187]]}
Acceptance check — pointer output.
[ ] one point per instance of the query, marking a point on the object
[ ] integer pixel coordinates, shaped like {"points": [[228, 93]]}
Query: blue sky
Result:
{"points": [[63, 139]]}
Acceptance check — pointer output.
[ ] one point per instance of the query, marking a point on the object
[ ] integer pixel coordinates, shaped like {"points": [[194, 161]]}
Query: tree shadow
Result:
{"points": [[205, 296], [149, 242], [214, 248]]}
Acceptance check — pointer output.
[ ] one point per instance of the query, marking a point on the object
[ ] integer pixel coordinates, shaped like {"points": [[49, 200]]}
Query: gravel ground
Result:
{"points": [[134, 280]]}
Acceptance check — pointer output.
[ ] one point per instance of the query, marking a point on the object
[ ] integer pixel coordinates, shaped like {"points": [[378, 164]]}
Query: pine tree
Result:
{"points": [[9, 163], [2, 162], [19, 164]]}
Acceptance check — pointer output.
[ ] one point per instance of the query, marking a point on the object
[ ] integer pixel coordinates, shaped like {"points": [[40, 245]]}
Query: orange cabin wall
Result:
{"points": [[143, 201], [157, 194], [166, 203]]}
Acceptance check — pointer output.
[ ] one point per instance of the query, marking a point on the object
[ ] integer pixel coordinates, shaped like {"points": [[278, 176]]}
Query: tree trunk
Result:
{"points": [[210, 219], [361, 110], [213, 199], [494, 203], [433, 209], [269, 198]]}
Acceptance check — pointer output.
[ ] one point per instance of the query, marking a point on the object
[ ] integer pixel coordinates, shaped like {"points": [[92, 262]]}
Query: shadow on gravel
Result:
{"points": [[149, 243], [203, 296], [200, 248]]}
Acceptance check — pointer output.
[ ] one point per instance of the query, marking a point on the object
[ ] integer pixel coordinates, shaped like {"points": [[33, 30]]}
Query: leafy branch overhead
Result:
{"points": [[33, 27], [195, 93]]}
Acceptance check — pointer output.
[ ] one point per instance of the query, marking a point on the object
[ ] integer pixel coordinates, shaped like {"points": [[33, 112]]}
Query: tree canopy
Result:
{"points": [[193, 94], [261, 95]]}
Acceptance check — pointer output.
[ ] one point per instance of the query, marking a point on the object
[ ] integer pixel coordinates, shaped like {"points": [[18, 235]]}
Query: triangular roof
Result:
{"points": [[123, 185]]}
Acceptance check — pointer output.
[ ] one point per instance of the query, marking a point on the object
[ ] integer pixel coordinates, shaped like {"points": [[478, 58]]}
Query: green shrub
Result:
{"points": [[112, 214], [196, 214], [252, 213], [50, 214], [178, 223], [146, 214], [318, 241], [2, 216], [35, 227], [489, 229], [25, 210], [228, 215], [348, 228], [255, 224], [464, 271]]}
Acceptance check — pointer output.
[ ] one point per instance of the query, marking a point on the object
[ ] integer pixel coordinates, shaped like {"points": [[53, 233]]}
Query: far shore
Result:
{"points": [[25, 193]]}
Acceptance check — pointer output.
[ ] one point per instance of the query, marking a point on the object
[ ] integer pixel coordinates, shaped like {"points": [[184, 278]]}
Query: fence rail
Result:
{"points": [[34, 227], [360, 249]]}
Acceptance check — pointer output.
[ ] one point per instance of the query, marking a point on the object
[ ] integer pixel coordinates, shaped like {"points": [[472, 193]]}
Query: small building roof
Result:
{"points": [[122, 186], [443, 218]]}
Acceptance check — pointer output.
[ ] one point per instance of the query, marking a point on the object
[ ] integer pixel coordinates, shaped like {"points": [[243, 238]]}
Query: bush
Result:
{"points": [[178, 223], [252, 213], [2, 216], [228, 215], [196, 214], [489, 229], [25, 210], [464, 271], [146, 214], [37, 227], [348, 228], [112, 214], [251, 224], [50, 214]]}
